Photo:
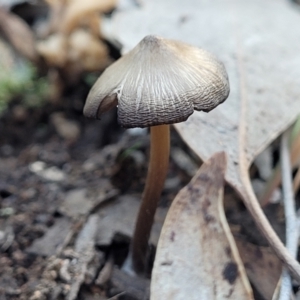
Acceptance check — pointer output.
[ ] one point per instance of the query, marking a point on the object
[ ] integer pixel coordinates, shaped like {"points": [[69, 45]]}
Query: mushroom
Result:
{"points": [[157, 83]]}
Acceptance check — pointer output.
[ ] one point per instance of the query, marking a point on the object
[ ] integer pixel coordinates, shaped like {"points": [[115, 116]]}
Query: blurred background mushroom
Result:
{"points": [[73, 35], [61, 38], [159, 82]]}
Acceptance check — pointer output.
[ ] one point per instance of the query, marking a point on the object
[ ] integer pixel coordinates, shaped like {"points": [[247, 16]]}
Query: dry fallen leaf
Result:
{"points": [[262, 266], [18, 34], [196, 256], [262, 59]]}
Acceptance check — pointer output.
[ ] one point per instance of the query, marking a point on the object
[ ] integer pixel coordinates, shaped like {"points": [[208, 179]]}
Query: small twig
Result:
{"points": [[275, 179], [291, 223], [84, 247]]}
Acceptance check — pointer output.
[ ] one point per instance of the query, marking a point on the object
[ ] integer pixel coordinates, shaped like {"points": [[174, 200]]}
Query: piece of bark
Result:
{"points": [[54, 240], [119, 217], [77, 203]]}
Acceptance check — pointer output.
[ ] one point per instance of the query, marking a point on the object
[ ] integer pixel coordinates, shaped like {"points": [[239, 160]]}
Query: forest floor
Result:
{"points": [[70, 189], [53, 185]]}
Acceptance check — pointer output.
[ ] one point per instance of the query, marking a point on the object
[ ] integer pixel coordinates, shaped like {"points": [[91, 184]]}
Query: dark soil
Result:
{"points": [[31, 204]]}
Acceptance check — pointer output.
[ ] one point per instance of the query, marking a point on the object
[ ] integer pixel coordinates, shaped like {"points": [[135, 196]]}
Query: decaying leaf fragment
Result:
{"points": [[196, 256]]}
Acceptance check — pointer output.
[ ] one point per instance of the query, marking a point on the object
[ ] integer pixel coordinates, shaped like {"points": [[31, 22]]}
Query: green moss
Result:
{"points": [[21, 81], [127, 152]]}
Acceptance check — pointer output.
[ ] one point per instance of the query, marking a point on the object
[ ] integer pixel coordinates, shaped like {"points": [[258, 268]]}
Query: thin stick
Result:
{"points": [[275, 179], [157, 172], [291, 223]]}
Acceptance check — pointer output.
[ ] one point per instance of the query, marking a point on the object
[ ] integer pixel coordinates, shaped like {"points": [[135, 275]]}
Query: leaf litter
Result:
{"points": [[257, 110], [32, 208]]}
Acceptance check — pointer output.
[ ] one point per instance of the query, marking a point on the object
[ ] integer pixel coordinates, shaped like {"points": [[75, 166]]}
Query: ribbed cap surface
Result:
{"points": [[160, 81]]}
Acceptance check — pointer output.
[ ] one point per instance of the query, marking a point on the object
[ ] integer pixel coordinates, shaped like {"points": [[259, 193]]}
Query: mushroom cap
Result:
{"points": [[160, 81]]}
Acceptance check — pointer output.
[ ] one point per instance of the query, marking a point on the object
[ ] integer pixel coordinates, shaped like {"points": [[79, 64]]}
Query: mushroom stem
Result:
{"points": [[157, 171]]}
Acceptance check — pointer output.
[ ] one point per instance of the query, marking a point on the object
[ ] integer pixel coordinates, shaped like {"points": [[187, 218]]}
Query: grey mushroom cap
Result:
{"points": [[160, 81]]}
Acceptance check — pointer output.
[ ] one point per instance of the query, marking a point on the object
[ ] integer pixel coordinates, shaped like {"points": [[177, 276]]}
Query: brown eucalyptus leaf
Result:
{"points": [[196, 256], [259, 44]]}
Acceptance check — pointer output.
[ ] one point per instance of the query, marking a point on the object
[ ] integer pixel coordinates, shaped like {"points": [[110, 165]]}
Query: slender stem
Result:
{"points": [[157, 171], [291, 223]]}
